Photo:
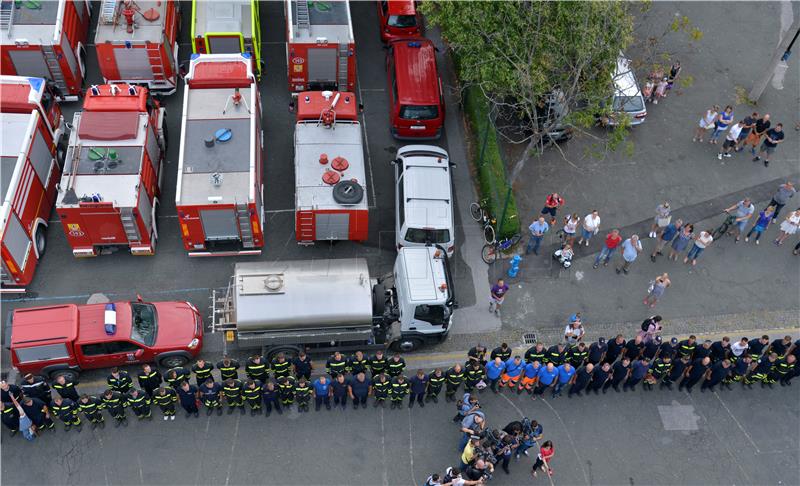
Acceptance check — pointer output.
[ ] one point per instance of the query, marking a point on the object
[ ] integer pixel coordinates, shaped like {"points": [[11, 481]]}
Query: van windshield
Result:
{"points": [[628, 103], [419, 112], [402, 21], [419, 235], [437, 315], [144, 323]]}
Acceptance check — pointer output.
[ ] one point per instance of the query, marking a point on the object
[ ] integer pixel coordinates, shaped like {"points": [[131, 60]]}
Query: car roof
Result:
{"points": [[92, 322], [38, 326], [624, 79], [415, 71], [402, 7], [428, 193]]}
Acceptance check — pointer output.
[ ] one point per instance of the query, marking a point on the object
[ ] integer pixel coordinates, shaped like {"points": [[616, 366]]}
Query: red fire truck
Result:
{"points": [[112, 175], [32, 147], [330, 177], [320, 47], [219, 191], [46, 39], [137, 42]]}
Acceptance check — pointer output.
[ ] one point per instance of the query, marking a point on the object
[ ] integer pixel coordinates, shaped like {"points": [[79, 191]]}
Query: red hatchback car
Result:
{"points": [[416, 100], [66, 339], [398, 18]]}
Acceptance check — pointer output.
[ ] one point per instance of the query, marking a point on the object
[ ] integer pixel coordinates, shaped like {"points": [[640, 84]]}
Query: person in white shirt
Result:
{"points": [[738, 349], [730, 140], [701, 242], [591, 225], [573, 332]]}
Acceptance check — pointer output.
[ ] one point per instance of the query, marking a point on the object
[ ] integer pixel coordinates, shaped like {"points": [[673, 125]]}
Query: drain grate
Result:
{"points": [[529, 338]]}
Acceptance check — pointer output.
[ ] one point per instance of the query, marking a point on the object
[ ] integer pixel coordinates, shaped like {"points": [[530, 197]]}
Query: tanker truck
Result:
{"points": [[335, 305]]}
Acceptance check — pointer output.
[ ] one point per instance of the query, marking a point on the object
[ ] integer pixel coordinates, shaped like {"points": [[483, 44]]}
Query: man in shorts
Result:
{"points": [[730, 140], [762, 125], [771, 140], [743, 210], [551, 205], [497, 296], [748, 124], [661, 220]]}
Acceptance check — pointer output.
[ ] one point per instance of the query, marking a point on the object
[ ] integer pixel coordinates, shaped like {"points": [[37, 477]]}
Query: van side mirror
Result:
{"points": [[361, 107], [452, 164], [291, 107], [394, 161]]}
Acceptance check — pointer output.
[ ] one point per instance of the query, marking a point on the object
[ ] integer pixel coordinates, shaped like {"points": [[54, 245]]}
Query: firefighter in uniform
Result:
{"points": [[7, 390], [399, 390], [302, 394], [476, 354], [271, 397], [228, 369], [114, 402], [535, 353], [377, 364], [210, 395], [252, 395], [281, 366], [576, 355], [503, 351], [381, 386], [35, 386], [119, 381], [286, 390], [761, 371], [357, 363], [91, 406], [453, 379], [687, 347], [783, 370], [165, 398], [232, 390], [555, 355], [659, 369], [336, 364], [675, 372], [66, 410], [740, 368], [396, 366], [256, 369], [202, 372], [436, 381], [37, 411], [139, 402], [66, 388], [176, 376], [10, 416], [473, 376], [302, 366], [189, 395], [149, 380], [757, 347]]}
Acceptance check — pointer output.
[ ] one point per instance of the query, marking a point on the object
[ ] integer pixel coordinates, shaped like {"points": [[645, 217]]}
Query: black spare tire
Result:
{"points": [[348, 192]]}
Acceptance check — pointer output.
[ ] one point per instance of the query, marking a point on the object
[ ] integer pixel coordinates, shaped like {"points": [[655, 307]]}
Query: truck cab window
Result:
{"points": [[117, 347], [144, 323], [95, 349], [434, 314]]}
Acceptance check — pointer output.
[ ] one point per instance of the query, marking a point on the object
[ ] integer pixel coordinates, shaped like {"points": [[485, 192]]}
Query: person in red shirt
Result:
{"points": [[551, 205], [543, 459], [613, 239]]}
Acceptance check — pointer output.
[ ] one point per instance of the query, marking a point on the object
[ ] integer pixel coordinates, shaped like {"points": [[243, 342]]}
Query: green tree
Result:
{"points": [[525, 54]]}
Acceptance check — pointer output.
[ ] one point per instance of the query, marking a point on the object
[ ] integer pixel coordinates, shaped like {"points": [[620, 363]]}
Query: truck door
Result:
{"points": [[109, 354]]}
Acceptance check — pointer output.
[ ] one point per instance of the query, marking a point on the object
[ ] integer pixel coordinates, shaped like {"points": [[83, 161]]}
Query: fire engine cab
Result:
{"points": [[219, 190], [320, 47], [330, 177], [227, 27], [46, 39], [137, 42], [112, 175], [32, 147]]}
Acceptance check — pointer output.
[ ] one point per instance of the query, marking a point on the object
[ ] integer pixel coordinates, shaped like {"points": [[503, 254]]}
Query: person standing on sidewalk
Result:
{"points": [[761, 224], [538, 228], [661, 220], [772, 138], [494, 370], [723, 121], [754, 139], [551, 205], [657, 289], [789, 226], [748, 124], [707, 120], [681, 241], [730, 140], [785, 192], [571, 223], [701, 242], [744, 210], [669, 233], [497, 296], [590, 227], [630, 250], [613, 239]]}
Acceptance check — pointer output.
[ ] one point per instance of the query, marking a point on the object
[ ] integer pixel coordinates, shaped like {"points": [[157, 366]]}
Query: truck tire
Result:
{"points": [[70, 375], [40, 240], [405, 345], [289, 351], [173, 361], [61, 150]]}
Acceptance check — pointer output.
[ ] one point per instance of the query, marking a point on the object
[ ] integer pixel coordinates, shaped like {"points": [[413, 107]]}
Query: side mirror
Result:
{"points": [[291, 107], [452, 164], [394, 161], [139, 353], [361, 107]]}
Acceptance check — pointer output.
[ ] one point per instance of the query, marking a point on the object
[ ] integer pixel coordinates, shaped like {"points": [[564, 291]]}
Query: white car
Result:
{"points": [[628, 97]]}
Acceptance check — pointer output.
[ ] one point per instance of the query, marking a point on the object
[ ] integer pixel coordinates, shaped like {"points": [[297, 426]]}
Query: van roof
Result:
{"points": [[425, 274], [37, 326], [427, 190], [402, 7], [624, 79], [415, 71]]}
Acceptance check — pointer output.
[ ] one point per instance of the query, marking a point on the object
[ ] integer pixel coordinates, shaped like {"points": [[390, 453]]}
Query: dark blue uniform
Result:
{"points": [[418, 387], [718, 373], [696, 373], [360, 390], [618, 374], [598, 380], [582, 379], [613, 351], [271, 399], [188, 399], [339, 393], [678, 368], [35, 411]]}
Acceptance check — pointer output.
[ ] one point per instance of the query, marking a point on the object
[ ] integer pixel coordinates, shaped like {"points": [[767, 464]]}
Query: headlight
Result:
{"points": [[194, 343]]}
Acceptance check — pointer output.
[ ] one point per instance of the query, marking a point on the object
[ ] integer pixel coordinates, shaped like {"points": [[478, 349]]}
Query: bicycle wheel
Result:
{"points": [[489, 253], [488, 233], [476, 211], [720, 231]]}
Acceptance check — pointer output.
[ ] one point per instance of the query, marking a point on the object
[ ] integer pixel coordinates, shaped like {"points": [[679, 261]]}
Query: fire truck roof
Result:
{"points": [[311, 103], [32, 22], [115, 28], [16, 93], [329, 20]]}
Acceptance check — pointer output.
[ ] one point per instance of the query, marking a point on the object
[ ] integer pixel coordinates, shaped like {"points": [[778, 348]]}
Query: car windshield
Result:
{"points": [[438, 315], [628, 103], [402, 21], [419, 235], [144, 323], [419, 112]]}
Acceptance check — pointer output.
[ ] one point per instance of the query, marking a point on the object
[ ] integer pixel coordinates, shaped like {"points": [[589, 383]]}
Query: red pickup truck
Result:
{"points": [[66, 339]]}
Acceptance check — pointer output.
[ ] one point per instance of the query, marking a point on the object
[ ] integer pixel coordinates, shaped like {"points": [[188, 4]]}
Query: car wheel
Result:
{"points": [[407, 345], [41, 240], [173, 361], [70, 375]]}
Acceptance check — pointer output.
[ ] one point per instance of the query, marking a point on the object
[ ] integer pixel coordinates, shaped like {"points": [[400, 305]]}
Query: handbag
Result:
{"points": [[480, 385]]}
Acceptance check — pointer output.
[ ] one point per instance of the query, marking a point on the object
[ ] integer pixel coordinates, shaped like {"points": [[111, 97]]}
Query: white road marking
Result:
{"points": [[752, 442], [233, 448], [569, 437], [724, 444], [139, 462], [385, 479], [411, 448], [366, 141]]}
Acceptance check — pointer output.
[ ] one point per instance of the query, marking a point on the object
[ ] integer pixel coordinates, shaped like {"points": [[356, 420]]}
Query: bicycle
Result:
{"points": [[724, 227], [480, 215], [491, 251]]}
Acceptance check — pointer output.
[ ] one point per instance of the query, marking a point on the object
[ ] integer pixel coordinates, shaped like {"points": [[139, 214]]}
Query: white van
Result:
{"points": [[423, 197], [628, 97]]}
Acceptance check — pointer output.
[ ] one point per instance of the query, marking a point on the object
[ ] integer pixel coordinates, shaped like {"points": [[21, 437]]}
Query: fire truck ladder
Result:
{"points": [[55, 68], [108, 11], [245, 228], [6, 15], [343, 58], [306, 229], [129, 225], [156, 64], [303, 17]]}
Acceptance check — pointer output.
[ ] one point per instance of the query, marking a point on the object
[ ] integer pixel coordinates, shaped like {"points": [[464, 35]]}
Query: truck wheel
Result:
{"points": [[61, 150], [173, 361], [290, 352], [407, 345], [41, 241], [70, 375]]}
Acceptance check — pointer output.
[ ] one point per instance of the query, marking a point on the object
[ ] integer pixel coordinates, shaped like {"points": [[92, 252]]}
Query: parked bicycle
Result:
{"points": [[480, 215], [725, 226], [491, 251]]}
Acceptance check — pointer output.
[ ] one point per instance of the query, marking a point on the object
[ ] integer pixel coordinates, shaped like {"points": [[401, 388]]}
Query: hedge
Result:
{"points": [[491, 172]]}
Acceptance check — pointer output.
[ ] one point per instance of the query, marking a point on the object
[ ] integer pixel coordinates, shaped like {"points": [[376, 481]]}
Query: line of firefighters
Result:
{"points": [[596, 367]]}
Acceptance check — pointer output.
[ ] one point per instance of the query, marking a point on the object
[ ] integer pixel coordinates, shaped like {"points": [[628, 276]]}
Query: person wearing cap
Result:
{"points": [[574, 331], [651, 348], [468, 454], [668, 348], [597, 351], [512, 372], [702, 351], [659, 369], [582, 379]]}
